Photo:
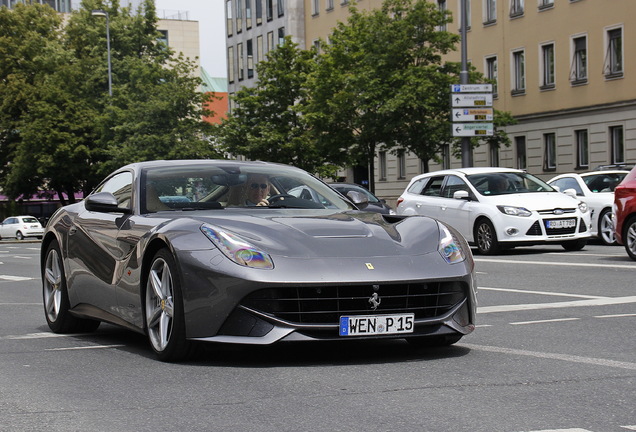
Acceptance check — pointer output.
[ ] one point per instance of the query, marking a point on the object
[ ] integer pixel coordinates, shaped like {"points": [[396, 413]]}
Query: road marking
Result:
{"points": [[633, 427], [563, 264], [552, 356], [605, 301], [20, 304], [15, 278], [616, 315], [563, 430], [544, 321], [548, 293], [22, 257], [36, 336], [84, 348]]}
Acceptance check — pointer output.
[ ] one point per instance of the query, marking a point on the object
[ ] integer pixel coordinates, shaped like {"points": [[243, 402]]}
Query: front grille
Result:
{"points": [[558, 211], [535, 230], [325, 304]]}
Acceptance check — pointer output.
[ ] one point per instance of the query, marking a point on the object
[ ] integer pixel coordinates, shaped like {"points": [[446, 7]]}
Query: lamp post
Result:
{"points": [[467, 153], [103, 13]]}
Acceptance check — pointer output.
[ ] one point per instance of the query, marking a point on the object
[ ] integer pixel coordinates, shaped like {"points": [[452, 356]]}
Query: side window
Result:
{"points": [[434, 187], [568, 183], [417, 186], [454, 184], [119, 185]]}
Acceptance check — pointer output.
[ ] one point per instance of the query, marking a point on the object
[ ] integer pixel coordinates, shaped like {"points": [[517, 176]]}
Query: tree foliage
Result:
{"points": [[61, 130]]}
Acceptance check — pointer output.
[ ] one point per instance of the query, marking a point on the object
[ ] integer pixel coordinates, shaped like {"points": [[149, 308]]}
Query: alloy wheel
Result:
{"points": [[52, 285], [159, 304]]}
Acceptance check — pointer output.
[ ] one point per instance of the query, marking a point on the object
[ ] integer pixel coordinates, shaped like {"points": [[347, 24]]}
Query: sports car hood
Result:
{"points": [[330, 234], [535, 200]]}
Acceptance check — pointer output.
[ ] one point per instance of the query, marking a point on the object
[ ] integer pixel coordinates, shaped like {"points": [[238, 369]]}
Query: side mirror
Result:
{"points": [[103, 202], [461, 195], [357, 198], [570, 192]]}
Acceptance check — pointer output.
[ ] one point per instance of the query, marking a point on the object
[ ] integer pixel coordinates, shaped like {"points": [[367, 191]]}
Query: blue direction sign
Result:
{"points": [[471, 88]]}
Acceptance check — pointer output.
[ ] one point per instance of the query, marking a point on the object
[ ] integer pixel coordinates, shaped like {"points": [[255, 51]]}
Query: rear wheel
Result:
{"points": [[19, 235], [574, 245], [606, 227], [55, 296], [486, 238], [629, 237], [164, 315]]}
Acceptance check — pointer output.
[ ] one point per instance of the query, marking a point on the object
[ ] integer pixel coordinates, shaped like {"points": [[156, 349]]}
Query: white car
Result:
{"points": [[596, 188], [20, 227], [498, 208]]}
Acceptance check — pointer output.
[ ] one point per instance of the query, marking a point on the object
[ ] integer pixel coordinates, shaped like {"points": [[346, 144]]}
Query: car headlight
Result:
{"points": [[449, 246], [514, 211], [237, 249], [583, 207]]}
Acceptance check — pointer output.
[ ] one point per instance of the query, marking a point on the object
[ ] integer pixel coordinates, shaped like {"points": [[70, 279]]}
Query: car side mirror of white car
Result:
{"points": [[570, 192], [461, 195]]}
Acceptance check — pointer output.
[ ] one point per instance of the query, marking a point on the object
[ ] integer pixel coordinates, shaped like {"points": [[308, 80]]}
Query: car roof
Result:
{"points": [[470, 171], [588, 173]]}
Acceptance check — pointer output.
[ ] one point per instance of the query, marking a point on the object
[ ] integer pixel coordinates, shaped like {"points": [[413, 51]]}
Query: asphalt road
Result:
{"points": [[554, 350]]}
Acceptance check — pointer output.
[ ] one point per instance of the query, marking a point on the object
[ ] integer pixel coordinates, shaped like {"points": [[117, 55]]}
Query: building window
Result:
{"points": [[516, 8], [269, 9], [547, 65], [281, 7], [491, 73], [230, 64], [578, 72], [281, 36], [259, 48], [382, 166], [519, 72], [617, 144], [250, 59], [441, 6], [230, 22], [315, 7], [248, 14], [614, 56], [549, 154], [490, 11], [329, 5], [241, 61], [270, 41], [401, 165], [259, 12], [493, 151], [163, 39], [520, 146], [239, 17], [546, 4], [582, 149]]}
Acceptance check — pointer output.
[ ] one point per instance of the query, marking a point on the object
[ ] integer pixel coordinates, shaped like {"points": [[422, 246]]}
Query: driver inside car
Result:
{"points": [[257, 190]]}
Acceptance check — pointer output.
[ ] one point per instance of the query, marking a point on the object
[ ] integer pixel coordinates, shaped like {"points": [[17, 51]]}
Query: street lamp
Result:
{"points": [[103, 13]]}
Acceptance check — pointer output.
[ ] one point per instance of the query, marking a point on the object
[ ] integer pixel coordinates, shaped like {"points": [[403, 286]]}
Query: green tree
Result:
{"points": [[268, 123], [72, 132]]}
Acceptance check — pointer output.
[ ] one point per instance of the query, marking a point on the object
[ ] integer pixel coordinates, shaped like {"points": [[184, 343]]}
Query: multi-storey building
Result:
{"points": [[562, 68], [255, 27]]}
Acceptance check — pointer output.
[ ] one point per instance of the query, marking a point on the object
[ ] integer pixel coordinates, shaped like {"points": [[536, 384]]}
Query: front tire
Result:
{"points": [[629, 237], [606, 228], [165, 323], [574, 245], [55, 296], [486, 238]]}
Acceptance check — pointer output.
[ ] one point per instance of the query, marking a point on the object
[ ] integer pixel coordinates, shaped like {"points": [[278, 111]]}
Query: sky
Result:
{"points": [[211, 17]]}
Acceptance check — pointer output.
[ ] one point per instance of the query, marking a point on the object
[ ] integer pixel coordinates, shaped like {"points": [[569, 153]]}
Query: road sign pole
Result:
{"points": [[467, 154]]}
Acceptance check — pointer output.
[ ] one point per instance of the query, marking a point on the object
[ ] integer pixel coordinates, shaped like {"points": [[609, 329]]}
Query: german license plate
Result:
{"points": [[560, 223], [364, 325]]}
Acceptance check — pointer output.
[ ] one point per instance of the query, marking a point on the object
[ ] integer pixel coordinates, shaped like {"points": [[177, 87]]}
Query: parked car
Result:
{"points": [[373, 203], [596, 188], [21, 227], [498, 208], [624, 213], [226, 265]]}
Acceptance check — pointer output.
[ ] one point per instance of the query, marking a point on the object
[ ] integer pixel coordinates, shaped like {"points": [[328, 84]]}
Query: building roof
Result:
{"points": [[213, 84]]}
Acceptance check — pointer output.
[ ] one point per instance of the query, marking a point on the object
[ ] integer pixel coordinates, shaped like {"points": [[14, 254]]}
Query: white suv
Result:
{"points": [[498, 208], [21, 227]]}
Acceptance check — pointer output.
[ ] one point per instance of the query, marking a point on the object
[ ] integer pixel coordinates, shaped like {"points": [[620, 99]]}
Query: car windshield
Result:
{"points": [[219, 186], [605, 182], [501, 183]]}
